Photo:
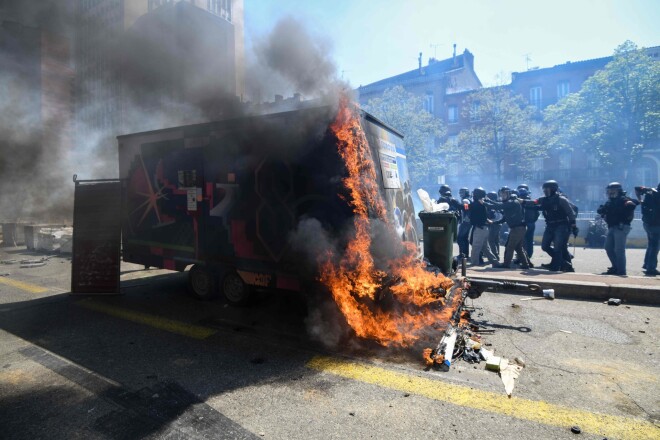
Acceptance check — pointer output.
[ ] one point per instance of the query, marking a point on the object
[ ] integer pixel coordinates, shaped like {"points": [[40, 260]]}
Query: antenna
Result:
{"points": [[435, 49], [528, 58]]}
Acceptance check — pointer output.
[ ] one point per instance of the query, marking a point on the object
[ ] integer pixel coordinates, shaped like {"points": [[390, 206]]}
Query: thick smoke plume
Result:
{"points": [[139, 82], [297, 56]]}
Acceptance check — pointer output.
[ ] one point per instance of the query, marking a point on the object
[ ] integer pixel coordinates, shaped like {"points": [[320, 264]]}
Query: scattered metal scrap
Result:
{"points": [[462, 338]]}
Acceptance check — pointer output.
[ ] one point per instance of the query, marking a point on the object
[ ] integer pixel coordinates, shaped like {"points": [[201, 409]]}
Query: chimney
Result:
{"points": [[468, 59], [420, 63], [454, 56]]}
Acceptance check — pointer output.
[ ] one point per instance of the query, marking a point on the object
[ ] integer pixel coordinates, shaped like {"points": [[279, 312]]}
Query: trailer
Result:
{"points": [[223, 199]]}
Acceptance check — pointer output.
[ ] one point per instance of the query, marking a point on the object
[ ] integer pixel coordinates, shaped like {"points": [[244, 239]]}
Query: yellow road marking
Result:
{"points": [[32, 288], [532, 410], [169, 325]]}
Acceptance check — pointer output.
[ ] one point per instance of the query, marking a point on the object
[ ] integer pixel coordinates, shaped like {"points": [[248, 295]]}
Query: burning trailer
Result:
{"points": [[312, 198]]}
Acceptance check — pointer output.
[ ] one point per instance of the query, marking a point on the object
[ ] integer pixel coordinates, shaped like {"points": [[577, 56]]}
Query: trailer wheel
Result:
{"points": [[236, 292], [202, 283]]}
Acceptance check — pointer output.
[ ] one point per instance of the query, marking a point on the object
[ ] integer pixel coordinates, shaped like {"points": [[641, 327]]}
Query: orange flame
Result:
{"points": [[354, 280]]}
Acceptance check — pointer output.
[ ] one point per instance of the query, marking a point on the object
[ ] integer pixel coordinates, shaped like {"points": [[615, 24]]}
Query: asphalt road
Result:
{"points": [[155, 363]]}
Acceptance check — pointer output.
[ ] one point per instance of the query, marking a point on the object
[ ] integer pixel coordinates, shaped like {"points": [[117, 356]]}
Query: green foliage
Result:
{"points": [[616, 114], [502, 130], [405, 112]]}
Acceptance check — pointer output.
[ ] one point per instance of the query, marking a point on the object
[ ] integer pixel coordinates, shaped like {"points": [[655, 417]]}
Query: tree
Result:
{"points": [[405, 112], [616, 114], [502, 128]]}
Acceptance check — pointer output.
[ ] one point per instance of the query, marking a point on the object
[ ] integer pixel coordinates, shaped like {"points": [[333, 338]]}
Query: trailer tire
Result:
{"points": [[235, 290], [202, 283]]}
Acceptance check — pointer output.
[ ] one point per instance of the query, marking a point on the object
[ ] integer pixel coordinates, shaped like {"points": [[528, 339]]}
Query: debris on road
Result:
{"points": [[8, 262], [576, 430], [614, 302], [509, 374]]}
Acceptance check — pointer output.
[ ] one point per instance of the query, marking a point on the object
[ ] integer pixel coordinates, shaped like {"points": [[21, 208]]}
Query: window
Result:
{"points": [[221, 8], [594, 193], [452, 140], [537, 164], [535, 96], [563, 89], [592, 161], [452, 114], [428, 102], [475, 110]]}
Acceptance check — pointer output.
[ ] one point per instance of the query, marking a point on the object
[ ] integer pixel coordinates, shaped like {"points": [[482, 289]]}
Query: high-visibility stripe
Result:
{"points": [[169, 325], [531, 410], [32, 288]]}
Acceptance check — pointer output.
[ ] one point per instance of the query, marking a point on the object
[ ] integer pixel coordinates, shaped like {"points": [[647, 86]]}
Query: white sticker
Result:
{"points": [[192, 199]]}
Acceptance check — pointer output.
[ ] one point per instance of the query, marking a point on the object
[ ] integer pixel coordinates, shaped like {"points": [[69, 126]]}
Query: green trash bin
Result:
{"points": [[439, 234]]}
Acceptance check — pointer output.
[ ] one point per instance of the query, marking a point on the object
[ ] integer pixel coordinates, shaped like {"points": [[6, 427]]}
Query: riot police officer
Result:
{"points": [[463, 235], [618, 212], [445, 197], [495, 226], [559, 223], [514, 216], [480, 228], [531, 216], [651, 222]]}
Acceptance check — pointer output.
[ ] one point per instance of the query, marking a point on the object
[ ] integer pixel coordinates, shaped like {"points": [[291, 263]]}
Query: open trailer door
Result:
{"points": [[95, 261]]}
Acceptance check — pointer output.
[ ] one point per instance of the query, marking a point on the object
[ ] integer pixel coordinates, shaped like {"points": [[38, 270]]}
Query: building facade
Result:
{"points": [[578, 171], [107, 67], [36, 112], [446, 86], [437, 83]]}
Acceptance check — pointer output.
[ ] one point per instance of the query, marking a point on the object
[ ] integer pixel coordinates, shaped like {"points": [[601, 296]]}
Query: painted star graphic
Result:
{"points": [[151, 197]]}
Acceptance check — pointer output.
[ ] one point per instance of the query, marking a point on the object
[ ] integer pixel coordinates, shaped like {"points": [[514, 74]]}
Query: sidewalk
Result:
{"points": [[631, 289], [586, 283]]}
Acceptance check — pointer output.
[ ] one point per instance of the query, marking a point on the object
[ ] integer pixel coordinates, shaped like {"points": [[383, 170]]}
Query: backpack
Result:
{"points": [[531, 215], [651, 209], [514, 214]]}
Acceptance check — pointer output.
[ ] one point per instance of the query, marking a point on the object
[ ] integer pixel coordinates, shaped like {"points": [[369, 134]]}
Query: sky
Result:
{"points": [[375, 39]]}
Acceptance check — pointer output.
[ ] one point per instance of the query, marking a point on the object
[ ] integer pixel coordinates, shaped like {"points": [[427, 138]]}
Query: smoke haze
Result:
{"points": [[138, 81]]}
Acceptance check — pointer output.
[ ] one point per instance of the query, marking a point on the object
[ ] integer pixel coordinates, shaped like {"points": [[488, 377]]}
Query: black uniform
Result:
{"points": [[559, 221]]}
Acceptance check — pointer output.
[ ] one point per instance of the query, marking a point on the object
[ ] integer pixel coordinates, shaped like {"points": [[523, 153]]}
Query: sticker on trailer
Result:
{"points": [[192, 199], [388, 165]]}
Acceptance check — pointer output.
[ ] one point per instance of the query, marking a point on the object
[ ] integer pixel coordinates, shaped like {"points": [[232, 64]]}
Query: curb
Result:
{"points": [[592, 291]]}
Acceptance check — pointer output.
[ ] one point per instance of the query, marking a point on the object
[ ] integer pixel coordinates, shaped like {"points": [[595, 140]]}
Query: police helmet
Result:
{"points": [[614, 189], [445, 190], [550, 187], [523, 193], [492, 195], [464, 193], [504, 191], [523, 186], [478, 193]]}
